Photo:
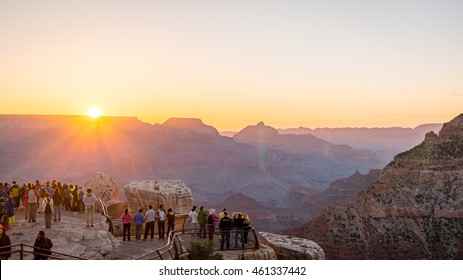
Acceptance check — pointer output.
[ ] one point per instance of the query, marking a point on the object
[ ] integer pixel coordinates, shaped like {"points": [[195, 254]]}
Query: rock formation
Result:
{"points": [[263, 253], [292, 248], [103, 187], [413, 211], [171, 193]]}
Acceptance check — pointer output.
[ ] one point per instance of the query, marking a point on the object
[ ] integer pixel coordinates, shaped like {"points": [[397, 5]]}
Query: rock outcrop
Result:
{"points": [[103, 187], [171, 193], [292, 248], [263, 253], [413, 211]]}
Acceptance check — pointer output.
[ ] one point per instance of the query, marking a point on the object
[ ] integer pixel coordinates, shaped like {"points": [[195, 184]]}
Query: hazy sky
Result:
{"points": [[234, 63]]}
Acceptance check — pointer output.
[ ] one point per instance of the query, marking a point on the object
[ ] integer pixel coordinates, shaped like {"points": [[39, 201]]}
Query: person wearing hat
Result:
{"points": [[5, 244], [222, 214], [89, 202]]}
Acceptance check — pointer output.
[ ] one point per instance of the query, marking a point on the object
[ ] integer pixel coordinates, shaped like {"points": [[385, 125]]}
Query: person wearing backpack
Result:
{"points": [[48, 210], [161, 221], [42, 246], [5, 244]]}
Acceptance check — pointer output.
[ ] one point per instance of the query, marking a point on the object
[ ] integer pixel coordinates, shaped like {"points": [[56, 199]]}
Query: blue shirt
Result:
{"points": [[139, 219]]}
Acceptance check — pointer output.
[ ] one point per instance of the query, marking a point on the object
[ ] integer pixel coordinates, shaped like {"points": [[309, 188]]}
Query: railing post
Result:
{"points": [[160, 256], [21, 251], [256, 238]]}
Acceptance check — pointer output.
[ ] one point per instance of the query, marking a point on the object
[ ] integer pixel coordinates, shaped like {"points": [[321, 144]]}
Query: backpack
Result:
{"points": [[47, 246], [48, 208], [210, 220]]}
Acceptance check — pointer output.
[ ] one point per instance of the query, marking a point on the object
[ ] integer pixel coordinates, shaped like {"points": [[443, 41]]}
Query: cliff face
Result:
{"points": [[413, 211], [340, 191]]}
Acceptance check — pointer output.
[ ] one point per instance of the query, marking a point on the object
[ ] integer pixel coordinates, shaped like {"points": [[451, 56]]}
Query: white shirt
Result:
{"points": [[32, 196], [162, 215], [149, 216], [193, 217], [89, 199]]}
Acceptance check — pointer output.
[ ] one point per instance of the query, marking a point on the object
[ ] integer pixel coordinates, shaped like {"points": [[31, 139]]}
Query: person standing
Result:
{"points": [[15, 193], [80, 196], [238, 222], [67, 197], [225, 226], [9, 208], [5, 244], [89, 202], [222, 214], [210, 222], [149, 217], [48, 210], [33, 198], [193, 216], [75, 198], [41, 192], [126, 222], [42, 246], [202, 216], [170, 220], [139, 219], [57, 203], [161, 221], [246, 227], [25, 199]]}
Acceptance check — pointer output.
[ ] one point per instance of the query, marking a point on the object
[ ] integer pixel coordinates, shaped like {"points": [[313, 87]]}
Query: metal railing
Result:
{"points": [[22, 248], [176, 245]]}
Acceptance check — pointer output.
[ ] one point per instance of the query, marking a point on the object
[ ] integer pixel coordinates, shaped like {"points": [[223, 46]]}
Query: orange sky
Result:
{"points": [[235, 63]]}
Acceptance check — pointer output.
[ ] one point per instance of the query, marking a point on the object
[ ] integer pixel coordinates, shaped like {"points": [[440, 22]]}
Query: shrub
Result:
{"points": [[203, 251]]}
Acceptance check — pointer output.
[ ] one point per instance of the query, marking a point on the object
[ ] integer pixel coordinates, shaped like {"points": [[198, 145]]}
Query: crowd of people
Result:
{"points": [[48, 198], [203, 222], [51, 197]]}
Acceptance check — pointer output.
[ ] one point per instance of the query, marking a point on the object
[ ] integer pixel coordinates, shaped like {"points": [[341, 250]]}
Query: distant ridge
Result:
{"points": [[190, 124]]}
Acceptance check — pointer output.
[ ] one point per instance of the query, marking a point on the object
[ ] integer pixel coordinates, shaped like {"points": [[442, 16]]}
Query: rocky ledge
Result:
{"points": [[291, 248]]}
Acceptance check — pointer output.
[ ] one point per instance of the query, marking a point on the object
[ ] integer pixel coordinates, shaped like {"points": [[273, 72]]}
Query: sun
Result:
{"points": [[94, 112]]}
